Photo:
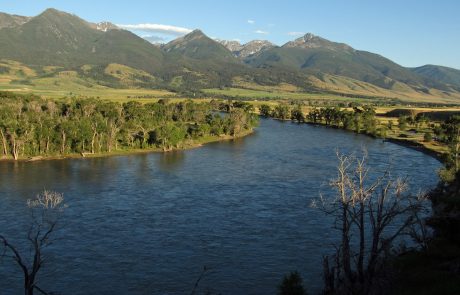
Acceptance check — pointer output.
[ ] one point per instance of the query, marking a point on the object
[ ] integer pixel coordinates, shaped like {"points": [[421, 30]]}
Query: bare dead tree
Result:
{"points": [[370, 213], [45, 211], [197, 282], [420, 231]]}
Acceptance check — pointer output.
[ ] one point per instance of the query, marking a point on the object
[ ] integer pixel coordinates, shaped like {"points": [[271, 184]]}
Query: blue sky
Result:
{"points": [[409, 32]]}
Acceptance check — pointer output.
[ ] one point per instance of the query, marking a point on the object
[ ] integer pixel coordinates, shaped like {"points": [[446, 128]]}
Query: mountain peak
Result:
{"points": [[309, 41], [259, 42], [55, 16], [192, 37], [197, 45], [309, 36], [245, 50], [231, 45], [195, 34], [64, 24], [53, 12]]}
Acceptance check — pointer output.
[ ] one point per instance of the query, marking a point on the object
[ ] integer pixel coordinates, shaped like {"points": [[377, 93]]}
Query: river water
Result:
{"points": [[149, 223]]}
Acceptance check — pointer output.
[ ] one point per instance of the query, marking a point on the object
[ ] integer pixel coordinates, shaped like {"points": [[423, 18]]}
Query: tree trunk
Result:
{"points": [[100, 141], [110, 138], [457, 150], [361, 243], [346, 259], [92, 142], [63, 139], [15, 150], [47, 145], [5, 148]]}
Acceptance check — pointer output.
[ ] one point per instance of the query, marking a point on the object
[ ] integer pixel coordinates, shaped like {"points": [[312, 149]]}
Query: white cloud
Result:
{"points": [[251, 22], [295, 33], [261, 32], [157, 28]]}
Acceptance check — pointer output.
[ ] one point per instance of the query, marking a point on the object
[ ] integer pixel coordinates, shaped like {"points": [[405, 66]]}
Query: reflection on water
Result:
{"points": [[148, 223], [171, 161]]}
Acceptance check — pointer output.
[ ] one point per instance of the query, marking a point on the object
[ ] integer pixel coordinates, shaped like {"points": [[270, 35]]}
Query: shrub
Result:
{"points": [[292, 285], [427, 137]]}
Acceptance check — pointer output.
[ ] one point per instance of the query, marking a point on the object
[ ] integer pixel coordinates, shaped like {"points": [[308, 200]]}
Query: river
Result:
{"points": [[149, 223]]}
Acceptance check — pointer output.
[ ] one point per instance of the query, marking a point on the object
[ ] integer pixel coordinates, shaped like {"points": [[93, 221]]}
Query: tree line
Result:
{"points": [[446, 132], [360, 119], [32, 126], [363, 120]]}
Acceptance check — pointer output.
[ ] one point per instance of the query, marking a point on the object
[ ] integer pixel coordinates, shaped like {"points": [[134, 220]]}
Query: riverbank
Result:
{"points": [[438, 155], [190, 144], [432, 150]]}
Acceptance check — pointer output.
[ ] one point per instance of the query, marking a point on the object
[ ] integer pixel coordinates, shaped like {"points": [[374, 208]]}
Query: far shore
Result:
{"points": [[438, 155], [210, 139], [125, 152]]}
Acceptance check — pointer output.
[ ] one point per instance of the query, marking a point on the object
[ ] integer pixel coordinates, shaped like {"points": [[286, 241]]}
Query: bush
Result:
{"points": [[446, 175], [292, 285], [427, 137]]}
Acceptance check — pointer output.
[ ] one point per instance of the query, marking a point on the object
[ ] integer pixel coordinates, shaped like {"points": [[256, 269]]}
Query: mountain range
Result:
{"points": [[56, 41]]}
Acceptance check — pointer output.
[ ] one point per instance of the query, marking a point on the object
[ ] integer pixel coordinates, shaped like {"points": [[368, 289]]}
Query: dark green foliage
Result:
{"points": [[265, 110], [282, 112], [292, 285], [31, 126], [429, 272], [314, 115], [449, 133], [4, 70], [434, 269], [402, 122], [427, 137], [244, 105], [359, 120], [297, 114]]}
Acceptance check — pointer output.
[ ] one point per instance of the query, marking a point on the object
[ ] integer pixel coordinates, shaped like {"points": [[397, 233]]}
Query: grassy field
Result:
{"points": [[398, 90], [353, 89], [53, 82], [358, 92], [57, 88], [277, 95]]}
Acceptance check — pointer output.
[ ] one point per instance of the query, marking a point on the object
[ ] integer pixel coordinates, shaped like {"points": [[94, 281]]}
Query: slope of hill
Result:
{"points": [[317, 55], [440, 74], [61, 39], [196, 61], [55, 44], [11, 20], [196, 45]]}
